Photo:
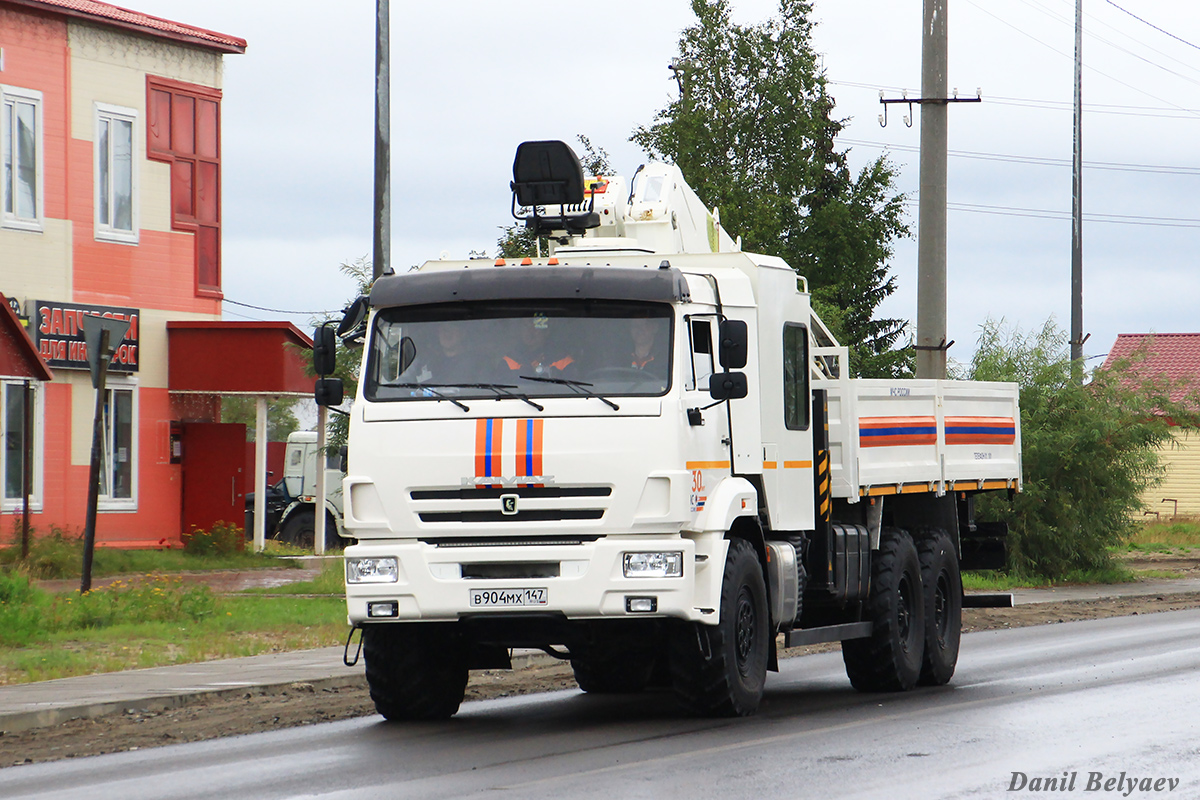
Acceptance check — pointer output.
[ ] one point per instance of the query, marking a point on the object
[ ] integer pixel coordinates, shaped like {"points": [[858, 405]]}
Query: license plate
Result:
{"points": [[495, 598]]}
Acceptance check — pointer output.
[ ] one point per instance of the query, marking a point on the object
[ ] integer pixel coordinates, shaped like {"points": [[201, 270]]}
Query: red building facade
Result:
{"points": [[110, 204]]}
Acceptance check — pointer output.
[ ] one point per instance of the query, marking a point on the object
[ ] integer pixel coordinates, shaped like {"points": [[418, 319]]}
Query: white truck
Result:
{"points": [[649, 459], [297, 500]]}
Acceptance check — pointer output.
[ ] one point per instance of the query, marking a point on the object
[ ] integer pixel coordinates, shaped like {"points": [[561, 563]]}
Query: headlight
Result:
{"points": [[372, 570], [653, 565]]}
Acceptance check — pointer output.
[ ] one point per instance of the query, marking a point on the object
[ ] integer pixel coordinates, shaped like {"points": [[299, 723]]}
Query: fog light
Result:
{"points": [[372, 570], [389, 609], [641, 605], [653, 565]]}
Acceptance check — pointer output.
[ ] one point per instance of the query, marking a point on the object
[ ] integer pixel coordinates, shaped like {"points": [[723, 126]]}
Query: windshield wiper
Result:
{"points": [[577, 386], [432, 388], [502, 389]]}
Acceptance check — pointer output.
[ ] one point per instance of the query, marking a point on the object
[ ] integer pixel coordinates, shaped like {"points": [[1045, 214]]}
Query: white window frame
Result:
{"points": [[12, 94], [104, 231], [13, 504], [105, 501]]}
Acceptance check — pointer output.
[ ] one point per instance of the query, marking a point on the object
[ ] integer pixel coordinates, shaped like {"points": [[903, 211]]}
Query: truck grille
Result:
{"points": [[526, 504]]}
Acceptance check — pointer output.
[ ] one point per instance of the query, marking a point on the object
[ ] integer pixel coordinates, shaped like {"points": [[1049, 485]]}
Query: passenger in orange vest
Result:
{"points": [[647, 355], [535, 355]]}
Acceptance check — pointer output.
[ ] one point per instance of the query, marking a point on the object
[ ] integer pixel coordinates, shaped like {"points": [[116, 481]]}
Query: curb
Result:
{"points": [[19, 721]]}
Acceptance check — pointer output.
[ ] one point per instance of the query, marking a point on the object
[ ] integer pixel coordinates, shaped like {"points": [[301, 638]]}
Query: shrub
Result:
{"points": [[223, 539], [1088, 451], [156, 598], [58, 554]]}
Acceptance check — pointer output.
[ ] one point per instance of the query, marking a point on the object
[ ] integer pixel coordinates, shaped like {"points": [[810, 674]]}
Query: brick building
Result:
{"points": [[110, 203]]}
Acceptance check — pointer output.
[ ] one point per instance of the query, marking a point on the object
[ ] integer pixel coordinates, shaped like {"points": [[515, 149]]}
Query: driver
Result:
{"points": [[535, 354]]}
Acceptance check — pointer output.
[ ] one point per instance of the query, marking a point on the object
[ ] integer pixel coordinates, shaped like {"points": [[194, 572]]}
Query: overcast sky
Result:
{"points": [[471, 79]]}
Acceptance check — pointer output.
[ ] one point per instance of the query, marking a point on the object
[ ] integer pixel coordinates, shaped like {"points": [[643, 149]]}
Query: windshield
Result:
{"points": [[520, 348]]}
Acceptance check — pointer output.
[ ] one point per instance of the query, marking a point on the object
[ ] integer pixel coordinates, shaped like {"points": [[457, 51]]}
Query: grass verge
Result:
{"points": [[1002, 582], [1166, 536], [150, 622]]}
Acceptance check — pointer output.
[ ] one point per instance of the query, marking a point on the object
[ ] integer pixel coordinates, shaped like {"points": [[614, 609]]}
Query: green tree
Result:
{"points": [[1088, 451], [281, 420], [752, 132]]}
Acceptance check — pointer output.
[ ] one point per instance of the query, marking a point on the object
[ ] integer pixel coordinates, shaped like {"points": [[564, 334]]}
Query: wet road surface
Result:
{"points": [[1086, 703]]}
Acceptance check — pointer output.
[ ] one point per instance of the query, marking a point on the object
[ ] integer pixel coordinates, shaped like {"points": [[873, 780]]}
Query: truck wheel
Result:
{"points": [[414, 672], [890, 659], [720, 670], [299, 530], [622, 672], [943, 608]]}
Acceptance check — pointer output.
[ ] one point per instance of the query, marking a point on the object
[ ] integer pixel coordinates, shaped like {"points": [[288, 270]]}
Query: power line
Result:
{"points": [[1153, 169], [1045, 213], [1151, 24], [275, 310], [1052, 105], [1065, 55]]}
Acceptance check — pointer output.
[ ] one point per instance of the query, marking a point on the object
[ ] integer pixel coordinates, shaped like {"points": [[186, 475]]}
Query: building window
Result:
{"points": [[118, 462], [21, 149], [183, 129], [116, 212], [12, 453], [795, 377]]}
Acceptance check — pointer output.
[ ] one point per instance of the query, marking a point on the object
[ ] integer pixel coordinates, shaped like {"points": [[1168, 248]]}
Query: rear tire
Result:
{"points": [[890, 659], [943, 608], [414, 672], [721, 670]]}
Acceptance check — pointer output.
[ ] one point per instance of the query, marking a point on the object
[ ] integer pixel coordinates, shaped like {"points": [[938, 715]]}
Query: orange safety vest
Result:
{"points": [[560, 365]]}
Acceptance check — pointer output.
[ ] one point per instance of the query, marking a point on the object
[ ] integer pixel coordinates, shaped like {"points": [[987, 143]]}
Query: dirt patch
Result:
{"points": [[309, 704]]}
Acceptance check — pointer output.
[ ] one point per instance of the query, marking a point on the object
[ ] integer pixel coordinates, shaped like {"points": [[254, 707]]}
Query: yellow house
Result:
{"points": [[1176, 356]]}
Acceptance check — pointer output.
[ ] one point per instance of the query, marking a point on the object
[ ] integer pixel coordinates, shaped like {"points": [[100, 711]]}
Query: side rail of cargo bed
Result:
{"points": [[890, 437]]}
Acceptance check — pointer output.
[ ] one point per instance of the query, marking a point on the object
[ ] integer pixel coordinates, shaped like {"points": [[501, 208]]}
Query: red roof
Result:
{"points": [[108, 14], [218, 357], [1174, 355], [18, 357]]}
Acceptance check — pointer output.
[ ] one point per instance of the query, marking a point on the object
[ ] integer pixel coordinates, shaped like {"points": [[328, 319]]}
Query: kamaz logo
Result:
{"points": [[500, 480], [508, 504]]}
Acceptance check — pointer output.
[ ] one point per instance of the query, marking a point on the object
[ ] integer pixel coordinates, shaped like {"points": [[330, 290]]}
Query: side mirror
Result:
{"points": [[734, 339], [324, 346], [728, 386], [408, 353], [329, 392], [353, 327]]}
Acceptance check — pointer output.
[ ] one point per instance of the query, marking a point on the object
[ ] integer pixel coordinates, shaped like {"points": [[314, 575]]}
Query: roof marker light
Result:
{"points": [[553, 262], [499, 262], [526, 261]]}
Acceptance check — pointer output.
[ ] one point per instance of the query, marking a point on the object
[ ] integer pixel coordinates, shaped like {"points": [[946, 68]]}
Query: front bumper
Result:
{"points": [[590, 583]]}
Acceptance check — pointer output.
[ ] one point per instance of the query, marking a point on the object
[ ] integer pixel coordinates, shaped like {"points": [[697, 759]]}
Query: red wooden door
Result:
{"points": [[214, 457]]}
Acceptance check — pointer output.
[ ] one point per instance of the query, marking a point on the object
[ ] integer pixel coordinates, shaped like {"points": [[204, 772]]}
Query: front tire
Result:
{"points": [[943, 608], [721, 670], [890, 659], [414, 672], [299, 530]]}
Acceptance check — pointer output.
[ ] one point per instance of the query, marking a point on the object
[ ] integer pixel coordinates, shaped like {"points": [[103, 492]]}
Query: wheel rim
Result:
{"points": [[941, 608], [904, 612], [745, 629]]}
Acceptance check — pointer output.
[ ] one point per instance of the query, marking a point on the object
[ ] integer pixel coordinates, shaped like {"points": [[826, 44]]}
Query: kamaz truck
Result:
{"points": [[642, 452]]}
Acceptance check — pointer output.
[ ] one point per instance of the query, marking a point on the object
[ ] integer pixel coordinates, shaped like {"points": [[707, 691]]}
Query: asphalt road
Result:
{"points": [[1099, 701]]}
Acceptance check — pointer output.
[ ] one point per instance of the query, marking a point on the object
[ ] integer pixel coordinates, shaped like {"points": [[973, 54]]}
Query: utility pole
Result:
{"points": [[1077, 337], [931, 221], [381, 256]]}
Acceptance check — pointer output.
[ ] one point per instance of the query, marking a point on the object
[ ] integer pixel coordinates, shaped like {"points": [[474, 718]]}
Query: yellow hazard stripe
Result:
{"points": [[797, 465], [707, 465]]}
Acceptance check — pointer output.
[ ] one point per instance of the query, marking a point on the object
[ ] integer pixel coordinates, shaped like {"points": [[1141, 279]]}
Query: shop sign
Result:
{"points": [[58, 334]]}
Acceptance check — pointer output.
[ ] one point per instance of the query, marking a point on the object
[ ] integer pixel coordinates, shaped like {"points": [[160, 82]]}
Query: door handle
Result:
{"points": [[232, 491]]}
